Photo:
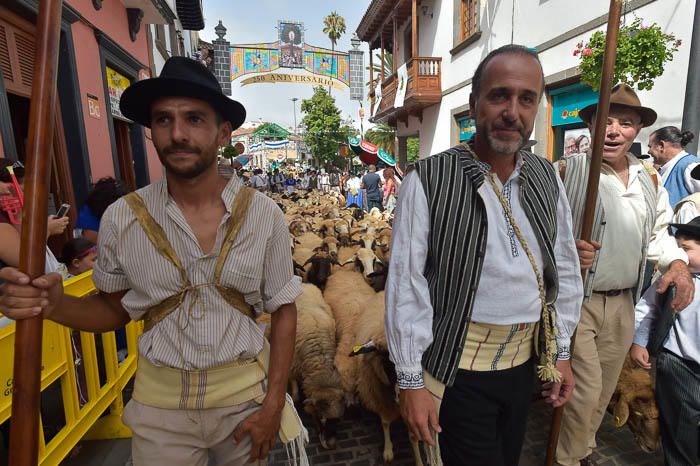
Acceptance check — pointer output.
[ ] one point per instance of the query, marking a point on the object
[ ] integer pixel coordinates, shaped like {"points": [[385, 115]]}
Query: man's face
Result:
{"points": [[658, 151], [187, 135], [569, 146], [622, 128], [506, 106]]}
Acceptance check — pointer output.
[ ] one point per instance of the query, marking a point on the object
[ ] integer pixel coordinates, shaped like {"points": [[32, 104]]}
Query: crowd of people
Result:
{"points": [[470, 222], [366, 187]]}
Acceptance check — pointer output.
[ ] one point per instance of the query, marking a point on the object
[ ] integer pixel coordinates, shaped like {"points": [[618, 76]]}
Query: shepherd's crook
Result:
{"points": [[24, 427], [601, 121]]}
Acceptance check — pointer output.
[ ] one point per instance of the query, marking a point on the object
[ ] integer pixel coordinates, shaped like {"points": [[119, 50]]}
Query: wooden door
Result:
{"points": [[126, 160]]}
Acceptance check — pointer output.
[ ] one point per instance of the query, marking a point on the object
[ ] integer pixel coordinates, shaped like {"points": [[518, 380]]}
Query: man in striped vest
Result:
{"points": [[485, 284], [631, 215]]}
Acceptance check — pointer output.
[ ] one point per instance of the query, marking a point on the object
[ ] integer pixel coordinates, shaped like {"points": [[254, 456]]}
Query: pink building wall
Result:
{"points": [[112, 21]]}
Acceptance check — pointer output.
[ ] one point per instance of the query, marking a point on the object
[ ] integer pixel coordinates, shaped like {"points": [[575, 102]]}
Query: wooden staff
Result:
{"points": [[601, 122], [24, 428]]}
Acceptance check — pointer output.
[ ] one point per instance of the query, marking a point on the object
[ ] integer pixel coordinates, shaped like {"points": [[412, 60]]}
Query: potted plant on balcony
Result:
{"points": [[642, 53]]}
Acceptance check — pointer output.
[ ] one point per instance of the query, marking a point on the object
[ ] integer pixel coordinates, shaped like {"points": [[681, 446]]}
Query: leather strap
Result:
{"points": [[156, 235]]}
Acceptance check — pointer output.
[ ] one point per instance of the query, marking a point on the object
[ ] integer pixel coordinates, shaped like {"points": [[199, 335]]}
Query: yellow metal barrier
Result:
{"points": [[58, 364]]}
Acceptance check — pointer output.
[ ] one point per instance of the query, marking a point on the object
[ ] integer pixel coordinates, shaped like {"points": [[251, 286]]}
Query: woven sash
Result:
{"points": [[160, 241]]}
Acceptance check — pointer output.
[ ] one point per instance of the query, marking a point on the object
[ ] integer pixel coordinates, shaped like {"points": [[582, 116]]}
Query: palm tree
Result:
{"points": [[377, 66], [334, 28], [382, 136]]}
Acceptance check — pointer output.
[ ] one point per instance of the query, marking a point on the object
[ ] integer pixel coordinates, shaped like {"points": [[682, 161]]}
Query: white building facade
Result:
{"points": [[460, 33]]}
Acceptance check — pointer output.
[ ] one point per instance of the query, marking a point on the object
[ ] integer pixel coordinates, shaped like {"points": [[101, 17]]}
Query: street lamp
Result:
{"points": [[294, 104]]}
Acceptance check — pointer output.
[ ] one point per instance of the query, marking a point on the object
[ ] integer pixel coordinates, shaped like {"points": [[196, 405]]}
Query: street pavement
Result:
{"points": [[360, 443]]}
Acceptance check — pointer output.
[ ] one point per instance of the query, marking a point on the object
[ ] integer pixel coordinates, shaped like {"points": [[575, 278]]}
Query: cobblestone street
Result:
{"points": [[360, 444]]}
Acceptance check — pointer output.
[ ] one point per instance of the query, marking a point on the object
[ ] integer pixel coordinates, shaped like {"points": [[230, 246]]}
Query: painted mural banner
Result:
{"points": [[290, 51], [116, 85], [273, 78]]}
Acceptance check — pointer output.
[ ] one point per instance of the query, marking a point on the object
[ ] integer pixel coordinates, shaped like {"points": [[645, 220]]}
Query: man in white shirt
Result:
{"points": [[666, 146], [630, 220], [471, 221]]}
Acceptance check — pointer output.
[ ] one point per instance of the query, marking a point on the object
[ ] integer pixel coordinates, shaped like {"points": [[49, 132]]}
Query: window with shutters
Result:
{"points": [[17, 57], [466, 24], [468, 18]]}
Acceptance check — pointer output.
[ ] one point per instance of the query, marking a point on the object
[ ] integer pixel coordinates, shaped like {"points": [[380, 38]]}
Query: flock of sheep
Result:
{"points": [[341, 356]]}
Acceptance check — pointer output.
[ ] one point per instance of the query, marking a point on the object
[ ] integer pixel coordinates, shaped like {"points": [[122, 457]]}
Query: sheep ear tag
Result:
{"points": [[368, 347]]}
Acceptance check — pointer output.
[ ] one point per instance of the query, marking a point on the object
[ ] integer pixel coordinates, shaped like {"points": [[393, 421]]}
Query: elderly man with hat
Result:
{"points": [[195, 257], [631, 215]]}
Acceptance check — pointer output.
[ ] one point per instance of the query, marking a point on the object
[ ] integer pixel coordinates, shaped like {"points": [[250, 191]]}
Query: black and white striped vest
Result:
{"points": [[457, 244]]}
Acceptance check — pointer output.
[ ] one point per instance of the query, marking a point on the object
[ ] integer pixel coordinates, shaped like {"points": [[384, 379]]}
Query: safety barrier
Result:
{"points": [[93, 415]]}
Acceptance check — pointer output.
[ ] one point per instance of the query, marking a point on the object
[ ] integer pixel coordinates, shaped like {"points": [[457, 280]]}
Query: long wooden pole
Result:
{"points": [[599, 130], [24, 427]]}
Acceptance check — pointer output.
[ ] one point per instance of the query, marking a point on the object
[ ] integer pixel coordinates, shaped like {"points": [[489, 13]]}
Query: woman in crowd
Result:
{"points": [[354, 191], [104, 193], [79, 255], [389, 189]]}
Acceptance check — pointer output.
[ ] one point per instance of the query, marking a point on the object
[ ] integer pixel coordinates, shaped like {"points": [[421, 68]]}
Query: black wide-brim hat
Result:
{"points": [[181, 77], [691, 228]]}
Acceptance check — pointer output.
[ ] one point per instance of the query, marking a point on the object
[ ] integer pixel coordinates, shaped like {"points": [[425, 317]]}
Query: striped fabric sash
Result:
{"points": [[160, 241], [491, 347]]}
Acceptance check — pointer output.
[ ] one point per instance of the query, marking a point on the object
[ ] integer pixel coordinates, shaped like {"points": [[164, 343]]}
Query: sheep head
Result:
{"points": [[325, 403], [331, 245], [321, 268], [299, 227]]}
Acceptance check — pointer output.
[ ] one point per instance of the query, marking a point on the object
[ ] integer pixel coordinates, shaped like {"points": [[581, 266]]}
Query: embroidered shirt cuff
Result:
{"points": [[409, 377], [564, 351]]}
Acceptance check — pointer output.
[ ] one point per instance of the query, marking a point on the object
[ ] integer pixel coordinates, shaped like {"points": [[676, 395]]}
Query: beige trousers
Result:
{"points": [[174, 437], [603, 338]]}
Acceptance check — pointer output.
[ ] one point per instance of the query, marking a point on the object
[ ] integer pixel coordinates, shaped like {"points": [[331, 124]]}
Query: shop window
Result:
{"points": [[465, 128], [571, 135]]}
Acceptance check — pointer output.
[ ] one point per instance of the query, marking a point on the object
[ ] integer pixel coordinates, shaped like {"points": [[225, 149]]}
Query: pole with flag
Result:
{"points": [[601, 120], [24, 427]]}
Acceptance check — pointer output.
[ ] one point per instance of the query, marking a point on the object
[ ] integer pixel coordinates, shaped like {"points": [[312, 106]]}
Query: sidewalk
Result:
{"points": [[360, 443]]}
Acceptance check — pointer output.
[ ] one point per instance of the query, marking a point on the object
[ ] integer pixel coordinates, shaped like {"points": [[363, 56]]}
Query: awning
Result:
{"points": [[190, 14], [370, 154]]}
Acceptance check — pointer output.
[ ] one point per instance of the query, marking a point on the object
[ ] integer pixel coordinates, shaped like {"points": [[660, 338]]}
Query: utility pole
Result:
{"points": [[691, 107], [296, 142]]}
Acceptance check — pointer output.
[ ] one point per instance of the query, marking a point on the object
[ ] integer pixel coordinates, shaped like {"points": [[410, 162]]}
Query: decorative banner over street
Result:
{"points": [[290, 51], [273, 78]]}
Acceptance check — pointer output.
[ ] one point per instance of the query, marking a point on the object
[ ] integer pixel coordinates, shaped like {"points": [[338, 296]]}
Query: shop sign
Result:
{"points": [[93, 106], [567, 103], [116, 85], [466, 128]]}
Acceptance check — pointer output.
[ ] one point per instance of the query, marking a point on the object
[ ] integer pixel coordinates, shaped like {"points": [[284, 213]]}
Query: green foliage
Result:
{"points": [[382, 136], [413, 149], [229, 152], [642, 52], [377, 67], [324, 132]]}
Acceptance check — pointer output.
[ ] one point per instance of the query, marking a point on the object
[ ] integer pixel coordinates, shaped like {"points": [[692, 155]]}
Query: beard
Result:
{"points": [[191, 171], [503, 146]]}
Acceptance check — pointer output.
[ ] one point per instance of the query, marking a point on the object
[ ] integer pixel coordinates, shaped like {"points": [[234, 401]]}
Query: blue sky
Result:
{"points": [[256, 21]]}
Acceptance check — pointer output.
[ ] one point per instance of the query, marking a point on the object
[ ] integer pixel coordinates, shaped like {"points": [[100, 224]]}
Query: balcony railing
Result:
{"points": [[423, 89]]}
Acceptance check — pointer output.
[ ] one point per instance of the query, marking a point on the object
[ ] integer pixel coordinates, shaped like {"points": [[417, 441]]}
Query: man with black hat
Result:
{"points": [[195, 257], [632, 212], [675, 340]]}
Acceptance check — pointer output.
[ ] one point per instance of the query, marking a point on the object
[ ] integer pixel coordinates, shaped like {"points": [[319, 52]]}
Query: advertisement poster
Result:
{"points": [[116, 84], [576, 141], [402, 80]]}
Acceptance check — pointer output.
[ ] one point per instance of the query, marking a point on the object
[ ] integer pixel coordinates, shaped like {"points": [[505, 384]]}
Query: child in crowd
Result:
{"points": [[678, 361], [79, 255]]}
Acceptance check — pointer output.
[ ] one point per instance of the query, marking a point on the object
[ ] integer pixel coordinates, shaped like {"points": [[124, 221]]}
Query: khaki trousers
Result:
{"points": [[603, 339], [174, 437]]}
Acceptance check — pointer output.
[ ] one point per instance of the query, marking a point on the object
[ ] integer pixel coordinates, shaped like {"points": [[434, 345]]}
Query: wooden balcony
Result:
{"points": [[423, 89]]}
